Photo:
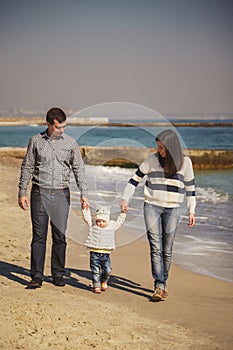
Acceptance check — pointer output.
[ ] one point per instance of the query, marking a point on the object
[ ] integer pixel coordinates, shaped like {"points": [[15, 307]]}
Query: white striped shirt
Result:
{"points": [[167, 192]]}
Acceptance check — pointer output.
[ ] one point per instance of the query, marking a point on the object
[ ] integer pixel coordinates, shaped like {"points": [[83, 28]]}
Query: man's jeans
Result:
{"points": [[45, 204], [161, 225], [100, 265]]}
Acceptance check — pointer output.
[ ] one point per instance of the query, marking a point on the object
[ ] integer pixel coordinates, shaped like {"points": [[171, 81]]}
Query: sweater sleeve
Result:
{"points": [[87, 216], [189, 183], [120, 221], [142, 170]]}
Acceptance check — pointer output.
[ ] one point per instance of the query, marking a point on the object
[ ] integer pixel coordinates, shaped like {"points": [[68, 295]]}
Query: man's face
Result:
{"points": [[57, 129]]}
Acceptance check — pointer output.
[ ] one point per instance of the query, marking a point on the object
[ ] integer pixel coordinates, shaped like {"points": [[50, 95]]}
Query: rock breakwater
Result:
{"points": [[132, 157]]}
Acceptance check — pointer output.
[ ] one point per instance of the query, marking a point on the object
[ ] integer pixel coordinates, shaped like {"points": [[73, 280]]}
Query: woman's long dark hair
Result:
{"points": [[174, 156]]}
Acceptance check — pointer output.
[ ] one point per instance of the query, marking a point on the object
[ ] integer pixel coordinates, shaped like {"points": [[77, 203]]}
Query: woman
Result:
{"points": [[170, 178]]}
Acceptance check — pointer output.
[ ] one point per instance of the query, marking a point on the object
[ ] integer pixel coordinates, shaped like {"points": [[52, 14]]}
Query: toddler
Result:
{"points": [[101, 241]]}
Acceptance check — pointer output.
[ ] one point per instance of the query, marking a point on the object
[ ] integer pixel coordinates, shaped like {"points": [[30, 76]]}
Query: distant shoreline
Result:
{"points": [[16, 121]]}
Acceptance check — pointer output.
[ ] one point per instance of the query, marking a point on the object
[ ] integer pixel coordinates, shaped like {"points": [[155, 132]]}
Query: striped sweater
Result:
{"points": [[102, 239], [168, 192]]}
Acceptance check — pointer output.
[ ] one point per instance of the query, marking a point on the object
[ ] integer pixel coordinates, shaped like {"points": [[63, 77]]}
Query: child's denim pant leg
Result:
{"points": [[100, 265]]}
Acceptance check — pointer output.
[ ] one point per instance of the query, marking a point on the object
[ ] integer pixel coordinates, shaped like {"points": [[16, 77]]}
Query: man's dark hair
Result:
{"points": [[55, 113]]}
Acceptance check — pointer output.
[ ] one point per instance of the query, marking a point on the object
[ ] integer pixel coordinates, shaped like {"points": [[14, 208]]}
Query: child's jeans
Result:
{"points": [[100, 265]]}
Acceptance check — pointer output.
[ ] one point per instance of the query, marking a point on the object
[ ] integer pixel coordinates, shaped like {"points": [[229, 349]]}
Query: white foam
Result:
{"points": [[211, 195], [202, 218]]}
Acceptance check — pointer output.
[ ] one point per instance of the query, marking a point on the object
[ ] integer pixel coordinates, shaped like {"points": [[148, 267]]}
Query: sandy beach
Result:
{"points": [[198, 313]]}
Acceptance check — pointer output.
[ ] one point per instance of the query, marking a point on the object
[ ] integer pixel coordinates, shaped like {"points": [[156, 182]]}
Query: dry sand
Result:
{"points": [[198, 313]]}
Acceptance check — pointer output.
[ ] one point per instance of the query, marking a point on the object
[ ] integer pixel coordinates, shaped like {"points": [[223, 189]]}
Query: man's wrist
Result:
{"points": [[22, 194]]}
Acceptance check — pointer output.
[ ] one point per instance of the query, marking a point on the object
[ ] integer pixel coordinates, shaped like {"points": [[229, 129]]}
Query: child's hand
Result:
{"points": [[124, 206]]}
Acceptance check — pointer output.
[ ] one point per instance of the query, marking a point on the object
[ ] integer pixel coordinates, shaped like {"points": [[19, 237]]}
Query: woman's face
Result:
{"points": [[161, 149]]}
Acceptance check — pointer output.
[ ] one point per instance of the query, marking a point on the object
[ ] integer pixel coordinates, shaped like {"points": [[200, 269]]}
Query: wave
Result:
{"points": [[117, 176], [211, 195]]}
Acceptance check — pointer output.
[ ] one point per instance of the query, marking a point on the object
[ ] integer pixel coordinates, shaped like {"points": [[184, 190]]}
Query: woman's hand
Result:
{"points": [[124, 206], [191, 220]]}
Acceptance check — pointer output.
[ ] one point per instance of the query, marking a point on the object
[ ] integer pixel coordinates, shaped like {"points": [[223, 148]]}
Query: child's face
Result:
{"points": [[101, 223]]}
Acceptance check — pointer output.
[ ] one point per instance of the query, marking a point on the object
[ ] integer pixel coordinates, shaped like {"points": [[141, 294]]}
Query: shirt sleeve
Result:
{"points": [[79, 170], [189, 183], [27, 169]]}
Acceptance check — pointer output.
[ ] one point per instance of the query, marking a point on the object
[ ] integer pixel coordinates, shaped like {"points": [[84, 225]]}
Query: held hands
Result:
{"points": [[191, 220], [84, 203], [124, 206], [24, 203]]}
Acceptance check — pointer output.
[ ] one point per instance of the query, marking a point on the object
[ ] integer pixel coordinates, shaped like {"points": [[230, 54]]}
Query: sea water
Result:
{"points": [[207, 248], [192, 137]]}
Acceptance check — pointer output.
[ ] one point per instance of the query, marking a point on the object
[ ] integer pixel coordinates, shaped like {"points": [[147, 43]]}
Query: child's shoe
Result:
{"points": [[159, 294], [104, 286], [97, 290]]}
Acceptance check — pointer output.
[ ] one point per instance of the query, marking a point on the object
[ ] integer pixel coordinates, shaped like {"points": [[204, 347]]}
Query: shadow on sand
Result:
{"points": [[73, 278]]}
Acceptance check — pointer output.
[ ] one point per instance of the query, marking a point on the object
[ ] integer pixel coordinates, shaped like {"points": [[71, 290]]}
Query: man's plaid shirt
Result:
{"points": [[49, 163]]}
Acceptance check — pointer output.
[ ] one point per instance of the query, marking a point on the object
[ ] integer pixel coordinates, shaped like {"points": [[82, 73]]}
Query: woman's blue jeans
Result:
{"points": [[161, 225]]}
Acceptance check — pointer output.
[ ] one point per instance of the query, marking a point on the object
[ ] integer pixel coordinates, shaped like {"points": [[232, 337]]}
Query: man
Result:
{"points": [[51, 157]]}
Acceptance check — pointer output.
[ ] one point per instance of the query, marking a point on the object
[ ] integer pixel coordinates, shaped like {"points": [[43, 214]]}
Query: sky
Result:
{"points": [[171, 56]]}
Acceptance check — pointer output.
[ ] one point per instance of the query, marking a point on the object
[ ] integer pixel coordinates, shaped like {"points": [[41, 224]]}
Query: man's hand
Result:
{"points": [[191, 220], [24, 203], [84, 203], [124, 206]]}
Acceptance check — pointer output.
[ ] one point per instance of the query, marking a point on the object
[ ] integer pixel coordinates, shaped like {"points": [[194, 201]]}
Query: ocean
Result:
{"points": [[191, 137], [206, 248]]}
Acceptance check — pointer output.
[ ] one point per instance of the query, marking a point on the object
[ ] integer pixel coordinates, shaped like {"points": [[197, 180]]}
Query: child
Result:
{"points": [[101, 242]]}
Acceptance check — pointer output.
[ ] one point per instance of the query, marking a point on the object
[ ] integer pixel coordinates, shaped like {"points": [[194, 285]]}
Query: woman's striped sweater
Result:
{"points": [[167, 192]]}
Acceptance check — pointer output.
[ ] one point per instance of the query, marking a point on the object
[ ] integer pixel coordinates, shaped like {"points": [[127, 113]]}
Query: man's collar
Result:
{"points": [[46, 136]]}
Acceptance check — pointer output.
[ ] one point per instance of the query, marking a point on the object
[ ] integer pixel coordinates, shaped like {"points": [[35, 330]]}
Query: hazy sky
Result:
{"points": [[172, 56]]}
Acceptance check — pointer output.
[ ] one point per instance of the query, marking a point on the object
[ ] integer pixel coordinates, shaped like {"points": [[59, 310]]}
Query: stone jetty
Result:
{"points": [[132, 157]]}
